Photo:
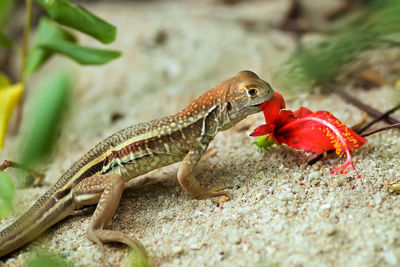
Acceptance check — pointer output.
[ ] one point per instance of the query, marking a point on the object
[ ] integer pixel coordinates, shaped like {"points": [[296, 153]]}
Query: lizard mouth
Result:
{"points": [[254, 108], [257, 105]]}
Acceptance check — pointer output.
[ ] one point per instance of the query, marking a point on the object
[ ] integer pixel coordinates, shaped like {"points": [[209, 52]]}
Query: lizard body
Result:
{"points": [[99, 176]]}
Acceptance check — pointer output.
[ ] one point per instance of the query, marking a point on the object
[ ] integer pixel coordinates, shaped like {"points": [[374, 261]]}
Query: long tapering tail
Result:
{"points": [[47, 211]]}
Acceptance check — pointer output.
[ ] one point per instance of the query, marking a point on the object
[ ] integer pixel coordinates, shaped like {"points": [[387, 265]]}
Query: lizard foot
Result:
{"points": [[189, 182], [203, 192]]}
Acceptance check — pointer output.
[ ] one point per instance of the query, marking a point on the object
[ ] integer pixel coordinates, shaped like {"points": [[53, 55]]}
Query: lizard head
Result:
{"points": [[246, 92]]}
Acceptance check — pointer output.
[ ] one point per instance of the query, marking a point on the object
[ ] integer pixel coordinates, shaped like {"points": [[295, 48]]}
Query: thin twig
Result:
{"points": [[24, 55], [392, 126], [368, 125], [25, 46], [11, 164], [315, 158], [371, 111]]}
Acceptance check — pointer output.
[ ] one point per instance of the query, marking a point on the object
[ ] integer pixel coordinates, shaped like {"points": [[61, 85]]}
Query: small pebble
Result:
{"points": [[234, 238], [314, 175], [177, 250]]}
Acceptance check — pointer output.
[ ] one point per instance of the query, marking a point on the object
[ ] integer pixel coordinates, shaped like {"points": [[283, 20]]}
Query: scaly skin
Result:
{"points": [[100, 175]]}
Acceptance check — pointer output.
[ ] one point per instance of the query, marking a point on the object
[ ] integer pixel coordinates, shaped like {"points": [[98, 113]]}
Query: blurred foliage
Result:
{"points": [[5, 11], [47, 32], [47, 260], [75, 16], [321, 63], [136, 258], [4, 41], [82, 55], [52, 39], [266, 264], [6, 194], [44, 116]]}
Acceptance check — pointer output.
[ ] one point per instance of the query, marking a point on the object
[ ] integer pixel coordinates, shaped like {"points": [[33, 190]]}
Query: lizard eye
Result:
{"points": [[252, 91]]}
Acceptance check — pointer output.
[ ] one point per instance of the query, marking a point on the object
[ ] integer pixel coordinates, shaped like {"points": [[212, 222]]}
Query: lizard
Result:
{"points": [[101, 174]]}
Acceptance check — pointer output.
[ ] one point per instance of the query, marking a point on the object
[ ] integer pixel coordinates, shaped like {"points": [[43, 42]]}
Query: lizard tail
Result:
{"points": [[47, 211]]}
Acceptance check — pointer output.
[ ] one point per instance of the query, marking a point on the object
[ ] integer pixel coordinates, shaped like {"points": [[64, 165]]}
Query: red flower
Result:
{"points": [[303, 129]]}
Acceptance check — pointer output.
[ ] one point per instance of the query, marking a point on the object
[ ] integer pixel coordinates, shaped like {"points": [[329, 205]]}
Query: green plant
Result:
{"points": [[50, 39], [6, 194], [46, 259], [321, 63], [50, 102]]}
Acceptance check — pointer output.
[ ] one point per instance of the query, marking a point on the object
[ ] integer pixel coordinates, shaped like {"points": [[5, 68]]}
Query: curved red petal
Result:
{"points": [[351, 140], [325, 130], [285, 116], [272, 107], [261, 130], [302, 112], [305, 137]]}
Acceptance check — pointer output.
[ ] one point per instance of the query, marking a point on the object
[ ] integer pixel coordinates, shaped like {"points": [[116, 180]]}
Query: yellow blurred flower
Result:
{"points": [[10, 95]]}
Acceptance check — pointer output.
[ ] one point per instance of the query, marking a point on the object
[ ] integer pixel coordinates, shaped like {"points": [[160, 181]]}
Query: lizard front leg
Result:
{"points": [[189, 182], [106, 190]]}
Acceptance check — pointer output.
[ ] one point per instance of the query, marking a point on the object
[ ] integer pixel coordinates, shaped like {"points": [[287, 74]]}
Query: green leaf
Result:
{"points": [[264, 142], [47, 261], [52, 39], [48, 32], [6, 194], [75, 16], [44, 118], [81, 54], [5, 11], [135, 258], [4, 41]]}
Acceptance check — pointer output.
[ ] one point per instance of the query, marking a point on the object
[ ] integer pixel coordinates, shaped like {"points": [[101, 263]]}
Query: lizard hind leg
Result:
{"points": [[106, 190]]}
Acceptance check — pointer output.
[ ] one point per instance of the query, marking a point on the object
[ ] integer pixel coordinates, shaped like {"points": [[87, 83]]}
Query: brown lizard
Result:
{"points": [[100, 175]]}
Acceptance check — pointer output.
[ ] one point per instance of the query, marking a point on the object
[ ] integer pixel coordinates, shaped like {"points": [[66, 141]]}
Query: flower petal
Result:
{"points": [[262, 130], [272, 107], [302, 112], [323, 129], [312, 132], [319, 132], [305, 137], [10, 96], [351, 140]]}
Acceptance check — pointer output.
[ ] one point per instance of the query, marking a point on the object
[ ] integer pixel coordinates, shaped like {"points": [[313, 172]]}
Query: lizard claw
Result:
{"points": [[213, 192], [220, 191]]}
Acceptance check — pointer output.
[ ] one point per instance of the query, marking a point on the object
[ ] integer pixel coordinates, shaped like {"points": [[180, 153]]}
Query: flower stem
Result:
{"points": [[316, 158], [393, 126], [24, 55], [371, 111], [11, 164], [384, 115], [25, 47]]}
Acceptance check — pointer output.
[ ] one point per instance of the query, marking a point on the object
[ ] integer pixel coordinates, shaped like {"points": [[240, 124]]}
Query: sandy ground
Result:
{"points": [[283, 212]]}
